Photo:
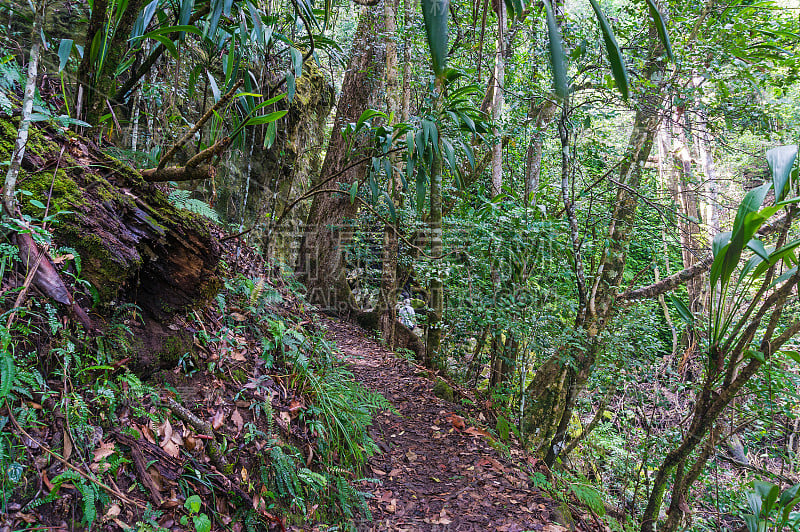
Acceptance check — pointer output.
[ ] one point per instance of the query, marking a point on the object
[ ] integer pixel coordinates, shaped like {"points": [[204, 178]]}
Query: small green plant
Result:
{"points": [[201, 521], [182, 200], [770, 509], [590, 497]]}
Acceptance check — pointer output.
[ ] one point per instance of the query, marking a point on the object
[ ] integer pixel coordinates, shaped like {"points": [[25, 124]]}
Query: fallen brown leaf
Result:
{"points": [[236, 417]]}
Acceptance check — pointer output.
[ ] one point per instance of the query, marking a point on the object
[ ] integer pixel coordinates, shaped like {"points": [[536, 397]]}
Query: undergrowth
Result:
{"points": [[295, 446]]}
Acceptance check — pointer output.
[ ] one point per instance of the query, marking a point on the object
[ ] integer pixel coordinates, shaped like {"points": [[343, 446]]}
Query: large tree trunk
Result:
{"points": [[436, 283], [498, 99], [389, 289], [320, 263]]}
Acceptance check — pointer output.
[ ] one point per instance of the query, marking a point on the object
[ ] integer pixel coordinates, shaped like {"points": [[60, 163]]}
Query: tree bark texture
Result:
{"points": [[320, 263]]}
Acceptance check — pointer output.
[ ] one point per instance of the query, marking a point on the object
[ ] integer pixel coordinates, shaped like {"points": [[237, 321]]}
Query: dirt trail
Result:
{"points": [[435, 473]]}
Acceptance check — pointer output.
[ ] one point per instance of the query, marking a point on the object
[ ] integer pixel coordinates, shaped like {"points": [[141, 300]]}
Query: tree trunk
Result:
{"points": [[100, 86], [498, 99], [389, 256], [542, 116], [320, 263], [555, 387], [436, 283]]}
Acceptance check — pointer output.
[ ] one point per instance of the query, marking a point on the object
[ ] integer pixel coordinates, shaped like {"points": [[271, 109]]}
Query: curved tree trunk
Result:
{"points": [[320, 263]]}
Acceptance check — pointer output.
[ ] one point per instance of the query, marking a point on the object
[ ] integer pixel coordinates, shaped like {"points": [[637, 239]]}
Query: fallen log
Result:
{"points": [[134, 246]]}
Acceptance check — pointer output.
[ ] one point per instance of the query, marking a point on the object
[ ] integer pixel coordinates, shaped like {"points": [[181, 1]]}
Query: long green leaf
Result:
{"points": [[435, 13], [168, 44], [64, 49], [781, 159], [557, 58], [266, 119], [661, 27], [612, 48], [170, 29]]}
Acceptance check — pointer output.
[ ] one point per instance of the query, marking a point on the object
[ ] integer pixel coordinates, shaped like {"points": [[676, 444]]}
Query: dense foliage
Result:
{"points": [[583, 213]]}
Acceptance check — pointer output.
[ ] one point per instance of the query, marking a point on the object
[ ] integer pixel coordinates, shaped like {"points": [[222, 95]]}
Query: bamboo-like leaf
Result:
{"points": [[758, 248], [353, 192], [661, 27], [683, 311], [390, 205], [170, 29], [64, 49], [144, 18], [214, 88], [168, 44], [612, 49], [557, 58], [435, 14], [185, 15], [290, 86], [213, 20], [781, 159], [297, 61], [269, 137], [266, 119]]}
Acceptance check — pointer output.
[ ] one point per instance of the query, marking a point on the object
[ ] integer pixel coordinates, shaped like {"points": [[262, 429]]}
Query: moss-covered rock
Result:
{"points": [[442, 390]]}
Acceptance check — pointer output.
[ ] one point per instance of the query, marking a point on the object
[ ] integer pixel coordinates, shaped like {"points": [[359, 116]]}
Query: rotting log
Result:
{"points": [[134, 245]]}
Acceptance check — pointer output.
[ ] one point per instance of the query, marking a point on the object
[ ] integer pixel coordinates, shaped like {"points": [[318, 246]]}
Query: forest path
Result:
{"points": [[436, 472]]}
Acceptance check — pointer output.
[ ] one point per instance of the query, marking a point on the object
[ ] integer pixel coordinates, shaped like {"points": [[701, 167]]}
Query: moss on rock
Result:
{"points": [[442, 390]]}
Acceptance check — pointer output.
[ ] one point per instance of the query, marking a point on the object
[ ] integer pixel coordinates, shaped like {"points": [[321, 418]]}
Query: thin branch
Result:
{"points": [[203, 119], [9, 199], [45, 448]]}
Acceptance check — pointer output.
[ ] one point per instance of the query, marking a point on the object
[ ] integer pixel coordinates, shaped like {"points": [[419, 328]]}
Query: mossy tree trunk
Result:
{"points": [[387, 301], [320, 263], [555, 387], [97, 73], [436, 283]]}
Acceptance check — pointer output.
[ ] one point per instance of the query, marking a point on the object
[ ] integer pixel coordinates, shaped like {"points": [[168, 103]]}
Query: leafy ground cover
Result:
{"points": [[255, 423]]}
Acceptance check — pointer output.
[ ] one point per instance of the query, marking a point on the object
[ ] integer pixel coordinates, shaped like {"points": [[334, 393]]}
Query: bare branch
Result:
{"points": [[667, 284]]}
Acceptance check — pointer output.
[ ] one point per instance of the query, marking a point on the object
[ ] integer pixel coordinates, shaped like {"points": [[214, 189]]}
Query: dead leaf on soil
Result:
{"points": [[295, 407], [113, 511], [67, 445], [475, 431], [510, 527], [218, 419], [165, 432], [392, 506], [441, 519], [236, 417], [553, 528], [147, 433], [103, 451], [456, 421], [171, 449]]}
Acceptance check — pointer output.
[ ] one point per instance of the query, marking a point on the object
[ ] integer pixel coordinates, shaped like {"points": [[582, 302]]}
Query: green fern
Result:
{"points": [[590, 497], [351, 502], [286, 481], [181, 199], [89, 495]]}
